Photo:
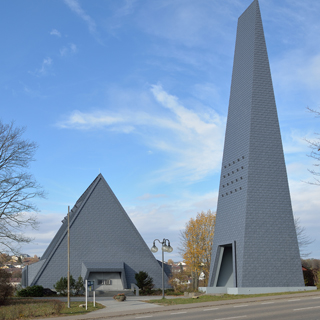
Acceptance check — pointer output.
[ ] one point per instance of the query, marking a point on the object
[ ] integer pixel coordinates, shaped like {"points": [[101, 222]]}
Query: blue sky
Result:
{"points": [[138, 90]]}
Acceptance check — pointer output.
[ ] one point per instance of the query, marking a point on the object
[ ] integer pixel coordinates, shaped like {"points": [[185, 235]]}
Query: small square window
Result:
{"points": [[236, 180], [227, 184], [241, 178], [240, 188], [229, 164], [222, 195], [228, 174], [242, 157], [225, 166], [235, 190], [223, 186], [234, 162], [227, 193], [224, 176], [241, 167], [237, 170], [230, 192], [232, 171], [231, 181]]}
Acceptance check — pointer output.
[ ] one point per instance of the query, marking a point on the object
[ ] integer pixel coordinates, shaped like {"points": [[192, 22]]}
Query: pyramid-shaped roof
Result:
{"points": [[101, 235]]}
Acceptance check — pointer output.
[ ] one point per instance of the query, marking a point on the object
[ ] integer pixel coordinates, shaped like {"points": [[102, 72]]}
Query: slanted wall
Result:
{"points": [[100, 232]]}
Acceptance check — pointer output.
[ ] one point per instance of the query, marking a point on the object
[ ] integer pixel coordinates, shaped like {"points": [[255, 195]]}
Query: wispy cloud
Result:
{"points": [[148, 196], [55, 32], [75, 7], [166, 218], [68, 50], [44, 69], [193, 139]]}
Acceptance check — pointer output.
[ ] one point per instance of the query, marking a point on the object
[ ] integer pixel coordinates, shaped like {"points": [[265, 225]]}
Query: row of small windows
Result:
{"points": [[231, 182], [231, 191], [232, 172], [233, 162]]}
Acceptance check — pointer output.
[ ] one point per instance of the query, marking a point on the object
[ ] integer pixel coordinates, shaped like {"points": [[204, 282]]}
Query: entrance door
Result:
{"points": [[225, 270], [106, 281]]}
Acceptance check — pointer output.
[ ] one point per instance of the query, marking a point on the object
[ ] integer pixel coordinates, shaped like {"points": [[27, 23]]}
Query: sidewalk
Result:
{"points": [[137, 306]]}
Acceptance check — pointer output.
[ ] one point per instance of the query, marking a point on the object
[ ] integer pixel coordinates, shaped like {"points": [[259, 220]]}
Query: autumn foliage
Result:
{"points": [[196, 243]]}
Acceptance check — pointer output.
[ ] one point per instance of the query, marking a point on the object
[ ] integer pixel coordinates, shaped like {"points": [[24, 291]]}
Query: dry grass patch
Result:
{"points": [[31, 308]]}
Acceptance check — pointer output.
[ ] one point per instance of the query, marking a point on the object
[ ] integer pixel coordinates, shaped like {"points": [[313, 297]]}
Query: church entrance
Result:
{"points": [[106, 281]]}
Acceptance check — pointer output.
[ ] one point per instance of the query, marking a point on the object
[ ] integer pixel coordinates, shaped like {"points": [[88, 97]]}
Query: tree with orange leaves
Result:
{"points": [[196, 244]]}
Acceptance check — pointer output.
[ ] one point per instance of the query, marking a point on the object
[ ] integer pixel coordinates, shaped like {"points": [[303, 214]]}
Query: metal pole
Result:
{"points": [[162, 273], [86, 294], [68, 257], [94, 298]]}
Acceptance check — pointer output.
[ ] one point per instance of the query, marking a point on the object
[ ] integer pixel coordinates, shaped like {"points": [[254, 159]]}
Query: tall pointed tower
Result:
{"points": [[255, 246]]}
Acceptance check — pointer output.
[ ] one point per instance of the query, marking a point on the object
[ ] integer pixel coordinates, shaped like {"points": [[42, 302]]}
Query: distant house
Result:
{"points": [[105, 247], [15, 281]]}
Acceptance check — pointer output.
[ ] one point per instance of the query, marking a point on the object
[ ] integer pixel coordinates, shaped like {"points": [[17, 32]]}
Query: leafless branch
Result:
{"points": [[17, 187]]}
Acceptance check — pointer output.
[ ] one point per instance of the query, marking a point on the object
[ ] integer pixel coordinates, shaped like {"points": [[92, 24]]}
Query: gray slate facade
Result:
{"points": [[255, 243], [103, 241]]}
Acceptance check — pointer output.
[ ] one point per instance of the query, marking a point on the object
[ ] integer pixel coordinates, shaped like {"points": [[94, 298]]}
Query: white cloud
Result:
{"points": [[193, 139], [165, 220], [148, 196], [55, 32], [75, 7], [68, 50], [45, 67]]}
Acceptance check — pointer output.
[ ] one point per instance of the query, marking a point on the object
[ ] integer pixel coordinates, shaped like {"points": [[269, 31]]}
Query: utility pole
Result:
{"points": [[68, 256]]}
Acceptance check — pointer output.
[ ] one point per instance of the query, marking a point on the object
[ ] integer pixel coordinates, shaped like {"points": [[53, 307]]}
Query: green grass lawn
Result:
{"points": [[75, 309], [208, 298], [26, 308]]}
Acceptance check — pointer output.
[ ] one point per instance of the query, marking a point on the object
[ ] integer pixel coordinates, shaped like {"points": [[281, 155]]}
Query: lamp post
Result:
{"points": [[165, 248]]}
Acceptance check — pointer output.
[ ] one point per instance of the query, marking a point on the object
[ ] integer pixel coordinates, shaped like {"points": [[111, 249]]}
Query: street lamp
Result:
{"points": [[165, 248]]}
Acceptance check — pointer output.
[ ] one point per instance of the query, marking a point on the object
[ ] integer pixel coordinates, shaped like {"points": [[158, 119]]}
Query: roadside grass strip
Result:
{"points": [[222, 297], [30, 308]]}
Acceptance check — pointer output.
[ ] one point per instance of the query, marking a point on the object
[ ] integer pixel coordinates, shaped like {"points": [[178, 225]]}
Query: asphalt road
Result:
{"points": [[302, 308]]}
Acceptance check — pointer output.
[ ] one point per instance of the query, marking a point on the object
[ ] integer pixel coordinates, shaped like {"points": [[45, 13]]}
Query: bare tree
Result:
{"points": [[315, 152], [303, 239], [17, 188]]}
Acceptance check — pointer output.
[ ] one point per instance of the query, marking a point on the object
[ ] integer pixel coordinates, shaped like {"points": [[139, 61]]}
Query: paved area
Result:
{"points": [[134, 306]]}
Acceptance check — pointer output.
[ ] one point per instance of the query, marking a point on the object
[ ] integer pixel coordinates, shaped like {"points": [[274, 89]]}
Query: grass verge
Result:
{"points": [[75, 309], [208, 298], [26, 308]]}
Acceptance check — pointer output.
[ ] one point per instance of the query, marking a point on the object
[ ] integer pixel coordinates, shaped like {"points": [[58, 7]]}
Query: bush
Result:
{"points": [[76, 287], [144, 282], [33, 291], [6, 289], [62, 286], [308, 277]]}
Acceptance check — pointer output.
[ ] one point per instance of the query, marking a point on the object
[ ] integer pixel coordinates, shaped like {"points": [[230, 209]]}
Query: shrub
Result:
{"points": [[62, 286], [33, 291], [308, 277], [75, 286], [144, 281], [120, 295], [6, 289], [78, 286]]}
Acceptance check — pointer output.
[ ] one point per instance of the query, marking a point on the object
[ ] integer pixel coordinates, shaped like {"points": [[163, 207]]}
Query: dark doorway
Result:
{"points": [[225, 271]]}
